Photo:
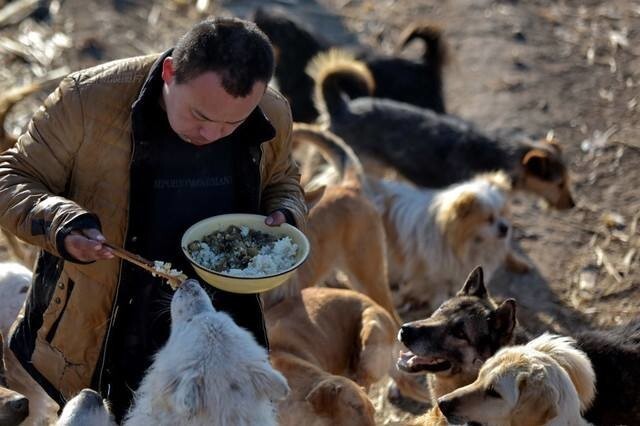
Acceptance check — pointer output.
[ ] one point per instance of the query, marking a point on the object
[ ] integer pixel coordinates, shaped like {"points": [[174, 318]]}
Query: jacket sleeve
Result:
{"points": [[36, 171], [281, 188]]}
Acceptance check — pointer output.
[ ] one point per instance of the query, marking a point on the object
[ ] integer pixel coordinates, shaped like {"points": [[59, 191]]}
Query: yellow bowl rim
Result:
{"points": [[286, 271]]}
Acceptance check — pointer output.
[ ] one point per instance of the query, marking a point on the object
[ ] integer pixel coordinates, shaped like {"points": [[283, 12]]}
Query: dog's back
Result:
{"points": [[429, 149], [615, 356], [415, 82]]}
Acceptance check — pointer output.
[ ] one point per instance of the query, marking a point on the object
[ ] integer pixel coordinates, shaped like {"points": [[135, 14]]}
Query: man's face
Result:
{"points": [[200, 111]]}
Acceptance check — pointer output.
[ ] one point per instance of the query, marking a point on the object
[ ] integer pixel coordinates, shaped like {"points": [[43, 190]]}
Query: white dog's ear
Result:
{"points": [[268, 382], [539, 402], [186, 393], [474, 285]]}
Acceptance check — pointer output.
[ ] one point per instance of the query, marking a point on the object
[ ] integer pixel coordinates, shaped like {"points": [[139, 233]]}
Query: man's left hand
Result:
{"points": [[276, 218]]}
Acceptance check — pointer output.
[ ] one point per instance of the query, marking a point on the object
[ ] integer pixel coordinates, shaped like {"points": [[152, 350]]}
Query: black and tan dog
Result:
{"points": [[427, 148], [453, 343], [414, 82]]}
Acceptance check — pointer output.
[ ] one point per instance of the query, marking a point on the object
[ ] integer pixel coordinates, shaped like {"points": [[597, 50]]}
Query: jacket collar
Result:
{"points": [[255, 130]]}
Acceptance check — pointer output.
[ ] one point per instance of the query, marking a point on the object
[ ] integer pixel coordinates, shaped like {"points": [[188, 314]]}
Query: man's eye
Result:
{"points": [[491, 392]]}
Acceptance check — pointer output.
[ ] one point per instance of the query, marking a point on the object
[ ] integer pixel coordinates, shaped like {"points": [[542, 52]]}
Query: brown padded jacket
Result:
{"points": [[74, 160]]}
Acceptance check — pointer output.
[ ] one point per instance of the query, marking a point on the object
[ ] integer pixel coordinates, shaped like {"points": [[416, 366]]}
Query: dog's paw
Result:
{"points": [[518, 264]]}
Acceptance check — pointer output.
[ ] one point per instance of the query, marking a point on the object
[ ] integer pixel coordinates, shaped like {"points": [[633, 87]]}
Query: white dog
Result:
{"points": [[436, 237], [547, 382], [86, 408], [210, 372]]}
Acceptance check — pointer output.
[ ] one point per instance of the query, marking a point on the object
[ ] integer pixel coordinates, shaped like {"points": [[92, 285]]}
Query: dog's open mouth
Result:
{"points": [[412, 363]]}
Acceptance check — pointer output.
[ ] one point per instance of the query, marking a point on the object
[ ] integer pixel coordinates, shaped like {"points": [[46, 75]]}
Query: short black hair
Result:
{"points": [[234, 48]]}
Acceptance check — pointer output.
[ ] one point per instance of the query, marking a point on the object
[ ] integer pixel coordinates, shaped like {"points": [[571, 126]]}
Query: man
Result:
{"points": [[135, 151]]}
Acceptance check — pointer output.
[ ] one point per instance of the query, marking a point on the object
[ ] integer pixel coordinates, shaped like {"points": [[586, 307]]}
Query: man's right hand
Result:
{"points": [[86, 245]]}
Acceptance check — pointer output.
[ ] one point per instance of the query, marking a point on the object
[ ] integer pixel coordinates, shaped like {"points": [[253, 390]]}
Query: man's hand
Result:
{"points": [[86, 245], [276, 218]]}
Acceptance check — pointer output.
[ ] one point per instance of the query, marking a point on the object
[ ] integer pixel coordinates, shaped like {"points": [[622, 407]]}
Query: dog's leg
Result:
{"points": [[377, 341]]}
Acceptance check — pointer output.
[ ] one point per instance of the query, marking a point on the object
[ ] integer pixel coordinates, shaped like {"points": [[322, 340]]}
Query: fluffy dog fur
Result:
{"points": [[86, 408], [435, 237], [548, 381], [209, 372], [323, 334], [14, 407], [418, 83], [429, 149]]}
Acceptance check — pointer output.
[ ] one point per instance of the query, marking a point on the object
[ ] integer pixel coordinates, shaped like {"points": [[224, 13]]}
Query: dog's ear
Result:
{"points": [[537, 163], [186, 391], [474, 285], [268, 382], [503, 320], [324, 395], [537, 405], [464, 204], [312, 197]]}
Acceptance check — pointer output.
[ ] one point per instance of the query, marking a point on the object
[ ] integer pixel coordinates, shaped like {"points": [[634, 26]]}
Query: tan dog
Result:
{"points": [[345, 231], [547, 382], [324, 334]]}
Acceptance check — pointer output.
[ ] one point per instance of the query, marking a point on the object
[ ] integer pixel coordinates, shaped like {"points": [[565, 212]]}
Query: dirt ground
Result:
{"points": [[567, 67]]}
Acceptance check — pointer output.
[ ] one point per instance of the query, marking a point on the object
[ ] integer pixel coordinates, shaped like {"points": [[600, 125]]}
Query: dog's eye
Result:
{"points": [[459, 333], [491, 392], [491, 219]]}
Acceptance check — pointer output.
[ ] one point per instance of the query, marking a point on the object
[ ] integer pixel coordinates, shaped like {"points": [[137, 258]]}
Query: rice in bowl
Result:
{"points": [[244, 252]]}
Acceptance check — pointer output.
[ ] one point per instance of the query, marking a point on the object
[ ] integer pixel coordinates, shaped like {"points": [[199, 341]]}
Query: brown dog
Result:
{"points": [[327, 343], [345, 231]]}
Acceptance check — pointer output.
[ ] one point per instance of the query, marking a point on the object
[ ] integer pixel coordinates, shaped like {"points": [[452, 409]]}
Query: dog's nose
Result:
{"points": [[446, 406], [19, 405], [503, 229], [406, 334]]}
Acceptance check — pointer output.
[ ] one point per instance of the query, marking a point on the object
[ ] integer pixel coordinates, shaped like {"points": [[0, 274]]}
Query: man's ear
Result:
{"points": [[474, 285], [503, 320], [324, 396], [168, 72], [268, 382], [186, 392], [536, 162]]}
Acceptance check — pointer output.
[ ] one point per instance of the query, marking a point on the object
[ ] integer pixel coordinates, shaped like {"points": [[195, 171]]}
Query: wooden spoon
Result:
{"points": [[174, 281]]}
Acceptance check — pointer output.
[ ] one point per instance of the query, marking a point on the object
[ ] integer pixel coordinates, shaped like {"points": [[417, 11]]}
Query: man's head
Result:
{"points": [[215, 78]]}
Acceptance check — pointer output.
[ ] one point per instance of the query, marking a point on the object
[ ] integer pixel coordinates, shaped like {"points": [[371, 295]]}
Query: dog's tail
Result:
{"points": [[333, 149], [435, 53], [338, 76], [575, 362], [11, 97]]}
